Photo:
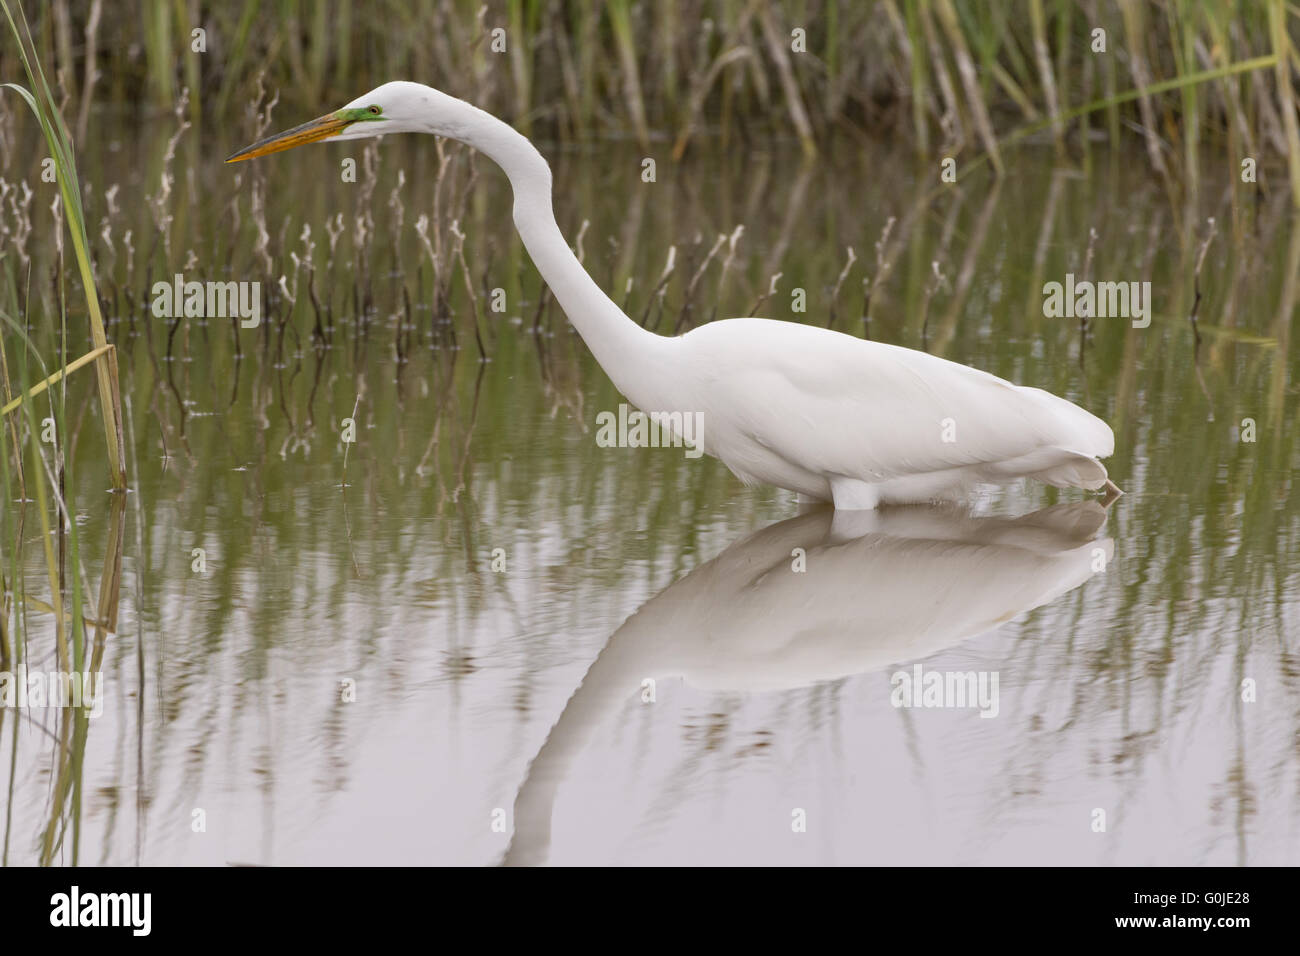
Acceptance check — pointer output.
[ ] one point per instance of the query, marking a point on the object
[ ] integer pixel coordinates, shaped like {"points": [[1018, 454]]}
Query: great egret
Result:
{"points": [[875, 590], [818, 412]]}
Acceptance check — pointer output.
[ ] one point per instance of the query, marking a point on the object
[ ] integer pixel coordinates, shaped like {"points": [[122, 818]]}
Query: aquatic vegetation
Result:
{"points": [[31, 470], [953, 76]]}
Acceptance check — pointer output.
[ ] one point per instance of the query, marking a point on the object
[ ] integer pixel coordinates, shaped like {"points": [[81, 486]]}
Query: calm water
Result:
{"points": [[520, 692]]}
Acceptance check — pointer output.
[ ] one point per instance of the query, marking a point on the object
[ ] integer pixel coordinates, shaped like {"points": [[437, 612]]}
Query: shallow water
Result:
{"points": [[1120, 685]]}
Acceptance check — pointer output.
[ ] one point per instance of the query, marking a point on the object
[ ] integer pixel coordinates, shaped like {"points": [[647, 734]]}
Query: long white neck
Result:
{"points": [[629, 354]]}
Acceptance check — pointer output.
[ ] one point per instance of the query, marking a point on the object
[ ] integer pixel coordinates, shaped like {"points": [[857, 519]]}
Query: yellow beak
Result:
{"points": [[323, 127]]}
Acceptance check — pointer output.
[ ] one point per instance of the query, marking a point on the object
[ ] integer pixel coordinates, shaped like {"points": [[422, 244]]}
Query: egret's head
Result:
{"points": [[397, 107]]}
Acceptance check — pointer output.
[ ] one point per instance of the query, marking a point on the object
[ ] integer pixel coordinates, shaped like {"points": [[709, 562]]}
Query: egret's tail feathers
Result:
{"points": [[1059, 467], [1086, 433], [1073, 471]]}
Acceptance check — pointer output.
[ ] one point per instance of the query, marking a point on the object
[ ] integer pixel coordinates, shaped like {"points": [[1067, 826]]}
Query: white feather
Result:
{"points": [[834, 417]]}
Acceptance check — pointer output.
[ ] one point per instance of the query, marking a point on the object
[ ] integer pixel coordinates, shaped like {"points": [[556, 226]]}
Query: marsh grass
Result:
{"points": [[951, 75], [41, 102], [38, 463]]}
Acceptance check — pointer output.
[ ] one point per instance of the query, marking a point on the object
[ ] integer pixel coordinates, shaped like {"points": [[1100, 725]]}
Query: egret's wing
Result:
{"points": [[840, 405]]}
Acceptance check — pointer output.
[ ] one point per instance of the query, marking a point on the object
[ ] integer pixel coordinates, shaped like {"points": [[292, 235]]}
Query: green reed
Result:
{"points": [[656, 71], [38, 462]]}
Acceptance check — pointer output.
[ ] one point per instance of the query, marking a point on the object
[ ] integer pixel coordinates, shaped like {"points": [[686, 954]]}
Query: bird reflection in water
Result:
{"points": [[822, 596]]}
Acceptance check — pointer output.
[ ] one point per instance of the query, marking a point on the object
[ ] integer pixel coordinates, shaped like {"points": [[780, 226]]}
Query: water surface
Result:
{"points": [[1120, 688]]}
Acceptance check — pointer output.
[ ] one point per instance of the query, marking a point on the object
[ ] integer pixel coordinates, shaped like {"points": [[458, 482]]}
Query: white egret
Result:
{"points": [[818, 412]]}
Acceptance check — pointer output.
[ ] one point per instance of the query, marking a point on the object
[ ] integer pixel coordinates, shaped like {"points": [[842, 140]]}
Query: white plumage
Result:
{"points": [[835, 417], [822, 413]]}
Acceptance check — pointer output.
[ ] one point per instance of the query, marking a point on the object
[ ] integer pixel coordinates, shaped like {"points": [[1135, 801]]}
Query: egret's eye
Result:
{"points": [[376, 110]]}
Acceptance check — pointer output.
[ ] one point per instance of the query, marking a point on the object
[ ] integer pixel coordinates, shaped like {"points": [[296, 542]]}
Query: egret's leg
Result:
{"points": [[851, 494]]}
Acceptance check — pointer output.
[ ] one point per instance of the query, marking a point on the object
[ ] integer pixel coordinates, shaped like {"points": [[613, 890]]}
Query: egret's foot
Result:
{"points": [[1113, 494]]}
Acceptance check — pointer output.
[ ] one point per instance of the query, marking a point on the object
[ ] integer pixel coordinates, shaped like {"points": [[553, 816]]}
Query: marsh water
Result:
{"points": [[425, 645]]}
